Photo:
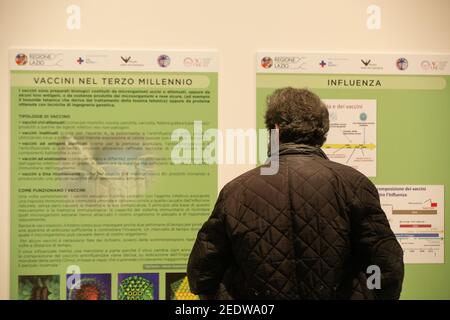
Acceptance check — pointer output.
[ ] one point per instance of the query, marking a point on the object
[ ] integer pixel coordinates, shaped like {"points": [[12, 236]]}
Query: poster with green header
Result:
{"points": [[389, 120], [102, 207]]}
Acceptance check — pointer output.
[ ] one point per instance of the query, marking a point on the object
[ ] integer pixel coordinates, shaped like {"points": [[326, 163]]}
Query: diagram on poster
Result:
{"points": [[352, 136], [416, 215]]}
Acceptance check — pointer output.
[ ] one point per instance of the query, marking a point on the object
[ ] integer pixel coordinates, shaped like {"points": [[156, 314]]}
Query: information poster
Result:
{"points": [[387, 120], [102, 207], [416, 215]]}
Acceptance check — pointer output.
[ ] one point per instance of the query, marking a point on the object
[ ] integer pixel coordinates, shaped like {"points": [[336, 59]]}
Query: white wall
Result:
{"points": [[237, 28]]}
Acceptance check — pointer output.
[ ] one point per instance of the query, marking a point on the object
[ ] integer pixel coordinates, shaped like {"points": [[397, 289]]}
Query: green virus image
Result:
{"points": [[136, 288], [39, 287], [180, 290]]}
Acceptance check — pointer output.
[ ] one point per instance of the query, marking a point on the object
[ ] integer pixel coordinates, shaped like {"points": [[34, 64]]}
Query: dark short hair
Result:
{"points": [[300, 114]]}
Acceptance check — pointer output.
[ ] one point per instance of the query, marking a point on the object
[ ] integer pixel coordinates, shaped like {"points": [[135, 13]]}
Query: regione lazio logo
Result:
{"points": [[284, 62], [164, 61], [21, 59], [45, 59], [402, 64], [266, 62]]}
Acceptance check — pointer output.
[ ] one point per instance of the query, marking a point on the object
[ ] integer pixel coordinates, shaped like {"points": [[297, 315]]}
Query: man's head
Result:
{"points": [[300, 116]]}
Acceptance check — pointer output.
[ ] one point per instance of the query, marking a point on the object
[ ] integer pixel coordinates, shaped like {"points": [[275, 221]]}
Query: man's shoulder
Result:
{"points": [[351, 176], [343, 170], [333, 171], [241, 181], [253, 178]]}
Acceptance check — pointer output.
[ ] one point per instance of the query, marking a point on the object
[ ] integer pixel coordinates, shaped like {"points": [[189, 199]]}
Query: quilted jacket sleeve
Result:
{"points": [[375, 243], [209, 256]]}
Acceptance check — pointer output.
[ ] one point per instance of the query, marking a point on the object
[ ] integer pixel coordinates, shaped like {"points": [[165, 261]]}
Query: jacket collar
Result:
{"points": [[294, 148]]}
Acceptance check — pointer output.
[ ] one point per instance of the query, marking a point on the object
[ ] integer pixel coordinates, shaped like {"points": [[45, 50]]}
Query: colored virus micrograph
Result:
{"points": [[180, 290], [136, 288], [39, 287], [90, 289]]}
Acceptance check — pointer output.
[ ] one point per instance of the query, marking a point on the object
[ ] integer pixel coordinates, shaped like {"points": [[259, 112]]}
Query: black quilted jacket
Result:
{"points": [[308, 232]]}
